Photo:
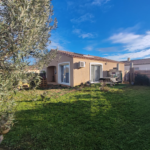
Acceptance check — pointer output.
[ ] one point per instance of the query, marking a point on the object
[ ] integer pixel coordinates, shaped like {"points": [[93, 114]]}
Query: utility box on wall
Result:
{"points": [[81, 64]]}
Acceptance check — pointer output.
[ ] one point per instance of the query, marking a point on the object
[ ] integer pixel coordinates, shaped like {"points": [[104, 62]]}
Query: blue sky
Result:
{"points": [[115, 29]]}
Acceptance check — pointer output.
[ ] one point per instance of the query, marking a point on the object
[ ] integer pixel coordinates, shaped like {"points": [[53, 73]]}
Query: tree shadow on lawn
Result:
{"points": [[56, 87], [88, 122]]}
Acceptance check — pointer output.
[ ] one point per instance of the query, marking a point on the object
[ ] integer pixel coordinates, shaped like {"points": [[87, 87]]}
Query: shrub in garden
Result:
{"points": [[104, 87], [142, 80]]}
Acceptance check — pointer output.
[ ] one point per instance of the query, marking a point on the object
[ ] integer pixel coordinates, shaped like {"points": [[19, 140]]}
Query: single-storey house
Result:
{"points": [[139, 64], [72, 69], [32, 69]]}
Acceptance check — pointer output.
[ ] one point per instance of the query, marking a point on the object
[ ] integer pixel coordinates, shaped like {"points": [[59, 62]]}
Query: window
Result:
{"points": [[136, 68], [64, 73], [96, 72]]}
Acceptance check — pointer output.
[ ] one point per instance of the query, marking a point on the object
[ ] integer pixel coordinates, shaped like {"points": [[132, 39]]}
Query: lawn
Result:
{"points": [[87, 119]]}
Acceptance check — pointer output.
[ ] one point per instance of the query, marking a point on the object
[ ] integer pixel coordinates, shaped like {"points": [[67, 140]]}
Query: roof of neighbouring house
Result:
{"points": [[137, 62], [77, 55], [31, 67]]}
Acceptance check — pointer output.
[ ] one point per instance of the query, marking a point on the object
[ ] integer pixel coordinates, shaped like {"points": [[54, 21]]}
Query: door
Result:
{"points": [[64, 73], [95, 73]]}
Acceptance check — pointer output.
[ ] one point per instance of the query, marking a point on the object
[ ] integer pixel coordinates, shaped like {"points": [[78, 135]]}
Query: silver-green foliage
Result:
{"points": [[25, 27]]}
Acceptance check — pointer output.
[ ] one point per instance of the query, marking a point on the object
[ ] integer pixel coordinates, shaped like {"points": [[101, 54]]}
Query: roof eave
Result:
{"points": [[107, 60]]}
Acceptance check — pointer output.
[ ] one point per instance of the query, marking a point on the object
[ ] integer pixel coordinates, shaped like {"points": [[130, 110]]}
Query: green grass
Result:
{"points": [[83, 120]]}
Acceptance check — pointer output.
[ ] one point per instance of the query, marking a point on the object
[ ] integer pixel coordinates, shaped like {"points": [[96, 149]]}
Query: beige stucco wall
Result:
{"points": [[60, 59], [82, 75]]}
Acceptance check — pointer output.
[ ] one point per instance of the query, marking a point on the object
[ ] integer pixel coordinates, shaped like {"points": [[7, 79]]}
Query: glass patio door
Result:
{"points": [[64, 73], [95, 73]]}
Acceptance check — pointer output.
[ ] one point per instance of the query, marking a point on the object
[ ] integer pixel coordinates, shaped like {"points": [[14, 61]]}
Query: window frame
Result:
{"points": [[101, 70], [59, 73]]}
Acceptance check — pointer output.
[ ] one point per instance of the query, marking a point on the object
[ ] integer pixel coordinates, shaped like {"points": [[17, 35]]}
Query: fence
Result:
{"points": [[43, 83], [130, 75], [143, 72], [127, 76]]}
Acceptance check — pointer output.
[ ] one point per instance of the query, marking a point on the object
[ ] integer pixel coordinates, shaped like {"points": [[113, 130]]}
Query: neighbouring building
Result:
{"points": [[32, 69], [139, 64], [72, 69]]}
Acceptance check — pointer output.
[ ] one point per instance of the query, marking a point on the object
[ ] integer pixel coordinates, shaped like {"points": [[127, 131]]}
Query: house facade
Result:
{"points": [[72, 69], [139, 64]]}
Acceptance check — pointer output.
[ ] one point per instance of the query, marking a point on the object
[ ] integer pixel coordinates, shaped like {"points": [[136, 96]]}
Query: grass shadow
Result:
{"points": [[86, 121]]}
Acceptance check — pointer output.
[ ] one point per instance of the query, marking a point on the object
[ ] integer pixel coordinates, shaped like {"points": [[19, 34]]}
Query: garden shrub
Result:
{"points": [[141, 80], [104, 87]]}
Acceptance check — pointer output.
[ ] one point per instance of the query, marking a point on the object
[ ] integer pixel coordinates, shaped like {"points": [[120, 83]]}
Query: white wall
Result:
{"points": [[141, 67]]}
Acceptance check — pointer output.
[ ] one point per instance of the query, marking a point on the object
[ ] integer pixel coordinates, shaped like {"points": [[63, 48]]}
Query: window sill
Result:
{"points": [[95, 82]]}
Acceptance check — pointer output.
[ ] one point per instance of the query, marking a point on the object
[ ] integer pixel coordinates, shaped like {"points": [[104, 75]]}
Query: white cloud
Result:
{"points": [[133, 55], [83, 35], [131, 41], [57, 41], [99, 2], [77, 31], [108, 49], [86, 17], [148, 57], [135, 45], [86, 35], [55, 45], [89, 48], [70, 3]]}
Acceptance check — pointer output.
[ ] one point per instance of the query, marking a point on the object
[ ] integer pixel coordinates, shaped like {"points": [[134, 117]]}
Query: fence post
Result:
{"points": [[132, 76], [131, 73]]}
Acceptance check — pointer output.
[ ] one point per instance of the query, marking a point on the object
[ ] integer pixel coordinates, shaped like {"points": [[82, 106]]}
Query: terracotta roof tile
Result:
{"points": [[31, 68], [77, 55]]}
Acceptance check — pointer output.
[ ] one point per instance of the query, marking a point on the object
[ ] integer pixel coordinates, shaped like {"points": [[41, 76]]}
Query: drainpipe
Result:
{"points": [[118, 67]]}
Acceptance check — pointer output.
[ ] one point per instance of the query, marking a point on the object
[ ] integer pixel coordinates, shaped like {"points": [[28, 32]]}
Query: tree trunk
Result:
{"points": [[1, 138]]}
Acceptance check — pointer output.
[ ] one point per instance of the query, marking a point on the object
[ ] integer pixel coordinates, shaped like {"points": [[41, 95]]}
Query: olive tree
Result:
{"points": [[25, 27]]}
